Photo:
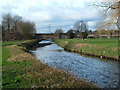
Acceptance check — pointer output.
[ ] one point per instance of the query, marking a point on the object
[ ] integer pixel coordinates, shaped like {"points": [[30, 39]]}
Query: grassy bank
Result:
{"points": [[23, 70], [107, 48]]}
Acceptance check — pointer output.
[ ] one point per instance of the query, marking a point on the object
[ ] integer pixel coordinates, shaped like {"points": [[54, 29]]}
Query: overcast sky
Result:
{"points": [[56, 13]]}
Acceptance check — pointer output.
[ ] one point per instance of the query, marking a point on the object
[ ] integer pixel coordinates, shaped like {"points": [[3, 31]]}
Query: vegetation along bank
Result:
{"points": [[103, 48], [22, 70]]}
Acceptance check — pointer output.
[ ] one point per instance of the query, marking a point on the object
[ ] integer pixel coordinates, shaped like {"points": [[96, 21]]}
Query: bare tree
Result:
{"points": [[111, 12], [80, 26], [16, 19], [7, 21], [18, 27], [77, 26], [59, 32]]}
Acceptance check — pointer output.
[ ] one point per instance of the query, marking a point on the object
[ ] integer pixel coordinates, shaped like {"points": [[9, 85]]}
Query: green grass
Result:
{"points": [[5, 52], [11, 70], [105, 47], [0, 53], [104, 42], [7, 43], [22, 70]]}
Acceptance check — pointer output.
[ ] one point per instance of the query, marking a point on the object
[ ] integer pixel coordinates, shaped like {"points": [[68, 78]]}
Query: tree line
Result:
{"points": [[108, 26], [80, 29], [14, 27]]}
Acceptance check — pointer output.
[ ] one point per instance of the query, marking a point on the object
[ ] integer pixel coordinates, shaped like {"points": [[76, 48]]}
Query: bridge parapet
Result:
{"points": [[50, 36]]}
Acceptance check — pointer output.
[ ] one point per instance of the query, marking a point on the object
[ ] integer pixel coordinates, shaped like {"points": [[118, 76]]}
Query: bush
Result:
{"points": [[71, 34], [84, 35]]}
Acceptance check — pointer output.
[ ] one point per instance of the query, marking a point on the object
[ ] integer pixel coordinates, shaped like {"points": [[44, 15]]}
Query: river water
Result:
{"points": [[103, 73]]}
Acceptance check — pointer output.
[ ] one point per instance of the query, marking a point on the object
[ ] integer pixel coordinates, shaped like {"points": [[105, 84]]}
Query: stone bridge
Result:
{"points": [[49, 36]]}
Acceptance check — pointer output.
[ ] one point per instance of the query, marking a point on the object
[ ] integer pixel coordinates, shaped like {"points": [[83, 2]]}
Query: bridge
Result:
{"points": [[49, 36]]}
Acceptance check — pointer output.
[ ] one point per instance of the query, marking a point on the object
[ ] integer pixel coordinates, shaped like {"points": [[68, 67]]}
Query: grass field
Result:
{"points": [[22, 70], [5, 53], [104, 47], [7, 43]]}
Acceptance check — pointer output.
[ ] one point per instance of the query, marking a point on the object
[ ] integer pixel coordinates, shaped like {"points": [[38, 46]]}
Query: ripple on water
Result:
{"points": [[103, 73]]}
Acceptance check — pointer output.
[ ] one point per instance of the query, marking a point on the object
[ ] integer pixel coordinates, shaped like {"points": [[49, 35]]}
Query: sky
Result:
{"points": [[54, 13]]}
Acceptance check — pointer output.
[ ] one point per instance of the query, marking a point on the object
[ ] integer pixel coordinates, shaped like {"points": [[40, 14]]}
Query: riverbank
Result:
{"points": [[22, 70], [103, 48]]}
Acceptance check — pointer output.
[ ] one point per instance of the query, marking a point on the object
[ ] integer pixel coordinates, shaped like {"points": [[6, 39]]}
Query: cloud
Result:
{"points": [[58, 13]]}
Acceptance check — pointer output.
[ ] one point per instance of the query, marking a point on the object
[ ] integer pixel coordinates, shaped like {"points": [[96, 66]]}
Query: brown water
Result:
{"points": [[103, 73]]}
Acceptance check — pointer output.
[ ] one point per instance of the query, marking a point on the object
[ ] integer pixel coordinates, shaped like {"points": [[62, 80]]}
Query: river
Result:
{"points": [[101, 72]]}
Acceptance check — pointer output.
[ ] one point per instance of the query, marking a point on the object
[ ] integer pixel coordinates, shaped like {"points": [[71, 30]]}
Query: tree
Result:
{"points": [[7, 21], [77, 26], [110, 33], [27, 29], [96, 34], [81, 28], [83, 35], [10, 22], [112, 16], [115, 14], [14, 26], [59, 32], [71, 34], [16, 19], [111, 11]]}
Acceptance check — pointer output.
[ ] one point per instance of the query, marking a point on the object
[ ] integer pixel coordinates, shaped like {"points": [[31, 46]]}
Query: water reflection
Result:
{"points": [[103, 73]]}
